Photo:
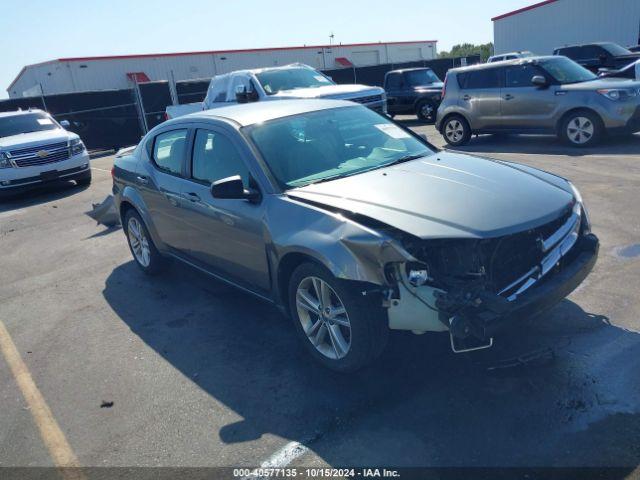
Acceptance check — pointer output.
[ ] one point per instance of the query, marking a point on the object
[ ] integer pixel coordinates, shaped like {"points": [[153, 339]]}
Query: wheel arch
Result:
{"points": [[571, 111], [130, 199], [453, 114]]}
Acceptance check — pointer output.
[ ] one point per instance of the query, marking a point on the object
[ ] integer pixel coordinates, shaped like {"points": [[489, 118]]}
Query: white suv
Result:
{"points": [[35, 149]]}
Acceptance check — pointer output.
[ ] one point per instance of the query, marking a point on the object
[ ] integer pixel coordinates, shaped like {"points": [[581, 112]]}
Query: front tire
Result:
{"points": [[456, 131], [85, 180], [338, 328], [144, 252], [581, 129]]}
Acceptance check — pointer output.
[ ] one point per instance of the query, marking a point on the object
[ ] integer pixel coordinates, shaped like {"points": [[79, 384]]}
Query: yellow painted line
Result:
{"points": [[55, 441]]}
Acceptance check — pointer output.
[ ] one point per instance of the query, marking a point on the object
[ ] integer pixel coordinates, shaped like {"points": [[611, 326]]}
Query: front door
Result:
{"points": [[226, 234], [524, 105]]}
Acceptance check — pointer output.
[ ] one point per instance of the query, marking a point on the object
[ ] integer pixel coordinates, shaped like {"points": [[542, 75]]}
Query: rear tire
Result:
{"points": [[144, 252], [581, 129], [338, 327], [426, 111], [456, 130]]}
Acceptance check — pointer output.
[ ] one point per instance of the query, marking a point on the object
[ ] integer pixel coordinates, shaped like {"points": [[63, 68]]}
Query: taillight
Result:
{"points": [[166, 116], [444, 85], [113, 172]]}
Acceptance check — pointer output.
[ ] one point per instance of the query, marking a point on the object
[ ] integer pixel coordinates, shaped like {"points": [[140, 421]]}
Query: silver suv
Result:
{"points": [[541, 95]]}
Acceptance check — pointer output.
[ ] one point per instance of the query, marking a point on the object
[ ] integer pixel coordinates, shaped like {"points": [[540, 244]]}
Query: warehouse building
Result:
{"points": [[544, 26], [72, 75]]}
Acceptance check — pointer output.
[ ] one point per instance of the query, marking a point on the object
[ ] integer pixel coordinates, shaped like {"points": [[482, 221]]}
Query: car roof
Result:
{"points": [[20, 112], [256, 112], [590, 44], [265, 69], [502, 63]]}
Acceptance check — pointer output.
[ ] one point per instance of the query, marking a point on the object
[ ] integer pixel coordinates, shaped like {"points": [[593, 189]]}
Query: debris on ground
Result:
{"points": [[105, 213], [106, 404]]}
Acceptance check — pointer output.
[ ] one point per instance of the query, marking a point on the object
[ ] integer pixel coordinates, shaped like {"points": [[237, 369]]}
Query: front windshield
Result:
{"points": [[615, 49], [25, 123], [291, 78], [416, 78], [566, 71], [327, 144]]}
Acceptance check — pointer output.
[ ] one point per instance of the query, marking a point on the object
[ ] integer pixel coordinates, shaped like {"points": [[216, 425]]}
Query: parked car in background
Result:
{"points": [[509, 56], [630, 71], [413, 91], [35, 150], [280, 83], [544, 95], [353, 225], [600, 55]]}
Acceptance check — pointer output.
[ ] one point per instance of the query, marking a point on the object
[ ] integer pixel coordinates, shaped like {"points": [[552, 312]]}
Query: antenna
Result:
{"points": [[331, 37]]}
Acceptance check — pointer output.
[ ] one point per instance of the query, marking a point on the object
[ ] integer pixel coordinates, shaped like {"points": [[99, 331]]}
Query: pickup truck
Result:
{"points": [[601, 56], [279, 83]]}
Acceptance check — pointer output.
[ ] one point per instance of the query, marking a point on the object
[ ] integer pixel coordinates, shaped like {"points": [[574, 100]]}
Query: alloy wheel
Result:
{"points": [[427, 110], [323, 317], [139, 242], [580, 130], [454, 130]]}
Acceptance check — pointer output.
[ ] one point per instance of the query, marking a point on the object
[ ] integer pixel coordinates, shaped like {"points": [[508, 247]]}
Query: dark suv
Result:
{"points": [[596, 56], [413, 91]]}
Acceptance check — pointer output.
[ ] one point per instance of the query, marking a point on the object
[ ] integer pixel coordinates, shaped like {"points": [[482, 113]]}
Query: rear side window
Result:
{"points": [[215, 158], [394, 80], [519, 76], [485, 78], [168, 151]]}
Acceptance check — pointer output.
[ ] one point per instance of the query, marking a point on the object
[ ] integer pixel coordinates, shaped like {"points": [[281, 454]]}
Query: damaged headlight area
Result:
{"points": [[468, 286]]}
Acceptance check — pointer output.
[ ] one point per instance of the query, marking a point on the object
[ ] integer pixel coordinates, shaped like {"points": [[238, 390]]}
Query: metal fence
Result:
{"points": [[114, 118]]}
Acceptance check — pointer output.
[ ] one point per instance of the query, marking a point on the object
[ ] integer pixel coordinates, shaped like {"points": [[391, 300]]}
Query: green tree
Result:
{"points": [[465, 49]]}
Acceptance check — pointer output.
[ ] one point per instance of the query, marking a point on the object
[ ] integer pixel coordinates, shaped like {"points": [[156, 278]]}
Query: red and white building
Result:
{"points": [[70, 75]]}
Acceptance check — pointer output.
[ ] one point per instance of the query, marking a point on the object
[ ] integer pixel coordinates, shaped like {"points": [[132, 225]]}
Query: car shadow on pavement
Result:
{"points": [[548, 145], [43, 194], [419, 404]]}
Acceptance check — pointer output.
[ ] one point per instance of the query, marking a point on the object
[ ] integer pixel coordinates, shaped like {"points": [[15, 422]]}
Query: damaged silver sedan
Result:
{"points": [[352, 224]]}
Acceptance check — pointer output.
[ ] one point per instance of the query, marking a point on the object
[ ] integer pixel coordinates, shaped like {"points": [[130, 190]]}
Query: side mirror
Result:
{"points": [[232, 188], [65, 123], [539, 81]]}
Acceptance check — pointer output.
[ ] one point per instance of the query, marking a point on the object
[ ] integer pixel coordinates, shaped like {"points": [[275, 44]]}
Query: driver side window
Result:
{"points": [[215, 158]]}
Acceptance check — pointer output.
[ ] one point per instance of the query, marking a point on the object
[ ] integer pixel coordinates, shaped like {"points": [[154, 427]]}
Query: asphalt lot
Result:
{"points": [[202, 375]]}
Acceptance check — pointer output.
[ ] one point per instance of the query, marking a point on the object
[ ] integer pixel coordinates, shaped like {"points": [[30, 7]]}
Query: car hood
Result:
{"points": [[344, 92], [448, 195], [606, 82], [32, 139]]}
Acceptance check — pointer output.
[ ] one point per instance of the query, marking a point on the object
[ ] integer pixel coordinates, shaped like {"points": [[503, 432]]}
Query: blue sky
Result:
{"points": [[37, 30]]}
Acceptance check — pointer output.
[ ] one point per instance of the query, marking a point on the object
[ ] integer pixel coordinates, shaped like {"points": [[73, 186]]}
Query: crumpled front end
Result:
{"points": [[473, 287]]}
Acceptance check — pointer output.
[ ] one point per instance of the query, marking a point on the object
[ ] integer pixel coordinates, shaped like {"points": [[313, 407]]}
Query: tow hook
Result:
{"points": [[465, 336]]}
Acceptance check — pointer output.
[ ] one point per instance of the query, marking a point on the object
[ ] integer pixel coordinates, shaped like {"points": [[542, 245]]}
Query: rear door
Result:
{"points": [[394, 86], [525, 106], [480, 97], [160, 183], [226, 234]]}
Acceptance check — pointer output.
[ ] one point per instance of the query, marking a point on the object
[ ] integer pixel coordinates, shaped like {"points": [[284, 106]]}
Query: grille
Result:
{"points": [[370, 99], [28, 157]]}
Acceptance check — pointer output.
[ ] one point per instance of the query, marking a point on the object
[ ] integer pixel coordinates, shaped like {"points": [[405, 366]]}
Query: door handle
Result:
{"points": [[508, 96], [466, 97], [192, 196], [142, 179]]}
